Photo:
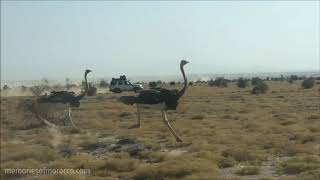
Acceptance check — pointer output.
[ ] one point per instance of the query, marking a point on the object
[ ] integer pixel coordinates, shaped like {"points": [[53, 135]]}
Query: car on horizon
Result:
{"points": [[118, 85]]}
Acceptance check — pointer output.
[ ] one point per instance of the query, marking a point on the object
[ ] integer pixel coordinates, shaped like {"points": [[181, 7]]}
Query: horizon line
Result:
{"points": [[171, 75]]}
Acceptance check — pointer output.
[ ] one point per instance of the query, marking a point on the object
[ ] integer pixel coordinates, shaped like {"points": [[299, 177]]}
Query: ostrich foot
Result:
{"points": [[134, 126]]}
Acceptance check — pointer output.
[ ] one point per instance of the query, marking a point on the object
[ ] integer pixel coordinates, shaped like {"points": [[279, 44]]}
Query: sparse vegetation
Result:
{"points": [[226, 162], [299, 165], [248, 170], [219, 82], [225, 132], [199, 117], [37, 90]]}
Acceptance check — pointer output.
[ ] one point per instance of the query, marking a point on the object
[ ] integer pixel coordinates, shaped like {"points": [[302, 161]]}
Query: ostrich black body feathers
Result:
{"points": [[154, 96], [65, 96], [61, 97]]}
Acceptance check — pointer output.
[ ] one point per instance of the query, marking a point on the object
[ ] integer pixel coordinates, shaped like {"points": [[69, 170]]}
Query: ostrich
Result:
{"points": [[159, 99], [66, 97]]}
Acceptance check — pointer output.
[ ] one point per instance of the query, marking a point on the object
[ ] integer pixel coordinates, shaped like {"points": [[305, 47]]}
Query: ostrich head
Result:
{"points": [[183, 62], [88, 71]]}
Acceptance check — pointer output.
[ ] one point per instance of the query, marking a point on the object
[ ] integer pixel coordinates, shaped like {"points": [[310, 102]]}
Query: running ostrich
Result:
{"points": [[66, 97], [159, 99]]}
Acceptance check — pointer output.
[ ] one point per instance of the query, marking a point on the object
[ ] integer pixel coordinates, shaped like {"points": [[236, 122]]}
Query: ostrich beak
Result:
{"points": [[184, 61]]}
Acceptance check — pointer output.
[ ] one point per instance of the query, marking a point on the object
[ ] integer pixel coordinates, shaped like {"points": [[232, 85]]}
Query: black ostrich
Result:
{"points": [[160, 99], [66, 97]]}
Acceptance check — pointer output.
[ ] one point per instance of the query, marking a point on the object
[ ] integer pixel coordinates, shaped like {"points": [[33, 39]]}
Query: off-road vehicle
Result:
{"points": [[118, 85]]}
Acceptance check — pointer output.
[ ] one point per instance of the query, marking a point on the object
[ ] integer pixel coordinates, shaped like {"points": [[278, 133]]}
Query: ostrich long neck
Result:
{"points": [[87, 87], [181, 92]]}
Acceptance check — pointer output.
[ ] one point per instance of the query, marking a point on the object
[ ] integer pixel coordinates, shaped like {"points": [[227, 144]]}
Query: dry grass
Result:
{"points": [[248, 170], [299, 165], [221, 127]]}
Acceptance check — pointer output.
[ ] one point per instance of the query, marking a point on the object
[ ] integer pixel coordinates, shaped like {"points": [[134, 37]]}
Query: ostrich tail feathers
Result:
{"points": [[129, 100]]}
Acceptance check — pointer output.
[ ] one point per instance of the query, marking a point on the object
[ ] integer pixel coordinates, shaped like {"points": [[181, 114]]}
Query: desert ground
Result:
{"points": [[228, 134]]}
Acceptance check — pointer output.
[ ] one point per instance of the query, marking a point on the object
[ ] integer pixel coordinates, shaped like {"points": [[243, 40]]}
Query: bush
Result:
{"points": [[242, 83], [190, 83], [68, 85], [292, 78], [5, 87], [37, 90], [172, 83], [152, 84], [260, 88], [103, 83], [159, 82], [308, 83], [92, 91], [219, 82], [45, 84], [255, 81]]}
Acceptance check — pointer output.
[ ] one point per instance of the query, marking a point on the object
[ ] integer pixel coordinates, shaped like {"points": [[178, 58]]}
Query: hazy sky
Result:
{"points": [[56, 39]]}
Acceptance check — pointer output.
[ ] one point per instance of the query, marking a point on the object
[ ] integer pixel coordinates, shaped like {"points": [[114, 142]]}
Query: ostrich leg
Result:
{"points": [[138, 115], [167, 123], [70, 118], [138, 118]]}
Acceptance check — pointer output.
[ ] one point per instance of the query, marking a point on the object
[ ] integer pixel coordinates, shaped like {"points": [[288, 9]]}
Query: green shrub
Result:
{"points": [[159, 82], [308, 83], [292, 78], [219, 82], [152, 84], [260, 88], [256, 80], [242, 83]]}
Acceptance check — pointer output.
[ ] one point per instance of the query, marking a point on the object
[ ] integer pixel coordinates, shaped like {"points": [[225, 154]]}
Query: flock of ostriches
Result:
{"points": [[157, 98]]}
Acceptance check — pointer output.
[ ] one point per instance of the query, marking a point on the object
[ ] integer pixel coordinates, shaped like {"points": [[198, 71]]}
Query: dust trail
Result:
{"points": [[55, 133]]}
